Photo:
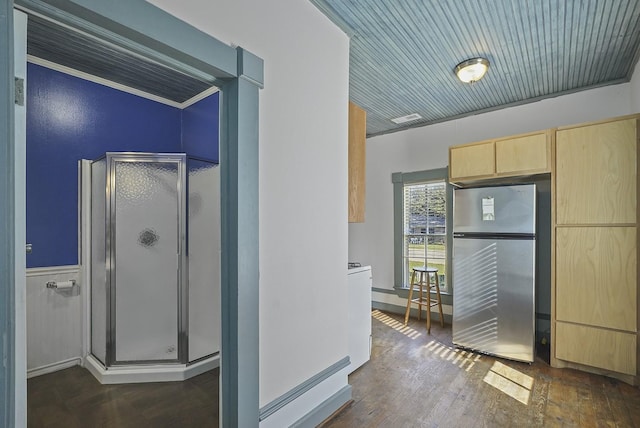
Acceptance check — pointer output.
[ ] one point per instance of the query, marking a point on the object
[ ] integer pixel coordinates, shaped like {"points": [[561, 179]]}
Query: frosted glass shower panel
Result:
{"points": [[147, 276], [204, 259], [98, 261]]}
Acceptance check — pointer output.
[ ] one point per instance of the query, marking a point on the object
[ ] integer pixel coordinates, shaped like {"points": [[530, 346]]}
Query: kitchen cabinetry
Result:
{"points": [[472, 161], [594, 250], [596, 257], [596, 173], [357, 162], [526, 154], [596, 347], [359, 296]]}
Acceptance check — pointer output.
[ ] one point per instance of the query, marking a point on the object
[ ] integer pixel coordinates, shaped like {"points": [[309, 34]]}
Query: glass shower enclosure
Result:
{"points": [[155, 262]]}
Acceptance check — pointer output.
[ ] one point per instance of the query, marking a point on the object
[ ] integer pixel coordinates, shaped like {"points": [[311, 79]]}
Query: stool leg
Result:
{"points": [[406, 313], [439, 300], [420, 285], [428, 304]]}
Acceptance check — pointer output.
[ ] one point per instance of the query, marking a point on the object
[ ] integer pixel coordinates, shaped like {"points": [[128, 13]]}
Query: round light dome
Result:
{"points": [[472, 70]]}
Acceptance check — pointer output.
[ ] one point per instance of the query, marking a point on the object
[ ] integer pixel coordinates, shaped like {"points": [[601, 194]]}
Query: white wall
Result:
{"points": [[54, 320], [634, 90], [303, 179], [427, 148]]}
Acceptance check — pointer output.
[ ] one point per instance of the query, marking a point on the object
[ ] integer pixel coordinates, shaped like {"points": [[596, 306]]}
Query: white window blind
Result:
{"points": [[424, 225]]}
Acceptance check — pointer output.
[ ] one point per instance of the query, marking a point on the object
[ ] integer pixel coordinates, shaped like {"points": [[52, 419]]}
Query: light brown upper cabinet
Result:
{"points": [[521, 155], [528, 154], [357, 162], [596, 173], [472, 160]]}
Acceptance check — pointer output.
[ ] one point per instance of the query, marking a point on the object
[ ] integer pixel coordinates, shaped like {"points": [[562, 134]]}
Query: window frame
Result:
{"points": [[399, 180]]}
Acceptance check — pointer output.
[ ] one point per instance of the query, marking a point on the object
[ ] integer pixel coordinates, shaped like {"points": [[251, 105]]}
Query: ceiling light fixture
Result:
{"points": [[472, 70]]}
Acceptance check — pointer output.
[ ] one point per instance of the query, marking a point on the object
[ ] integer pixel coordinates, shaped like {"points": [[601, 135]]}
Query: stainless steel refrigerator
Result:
{"points": [[494, 247]]}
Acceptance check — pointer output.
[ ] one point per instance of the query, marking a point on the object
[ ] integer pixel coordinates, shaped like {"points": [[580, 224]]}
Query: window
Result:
{"points": [[425, 228], [422, 226]]}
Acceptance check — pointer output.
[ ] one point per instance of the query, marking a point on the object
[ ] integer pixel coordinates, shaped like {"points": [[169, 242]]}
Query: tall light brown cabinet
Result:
{"points": [[357, 162], [594, 250], [596, 257]]}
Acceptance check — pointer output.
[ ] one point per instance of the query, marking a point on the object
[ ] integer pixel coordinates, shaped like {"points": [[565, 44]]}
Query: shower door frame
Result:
{"points": [[110, 231]]}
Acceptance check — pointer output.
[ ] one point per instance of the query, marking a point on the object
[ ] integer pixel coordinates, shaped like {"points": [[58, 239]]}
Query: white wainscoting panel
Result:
{"points": [[54, 320]]}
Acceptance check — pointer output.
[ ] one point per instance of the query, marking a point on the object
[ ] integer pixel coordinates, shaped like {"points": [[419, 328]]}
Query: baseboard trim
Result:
{"points": [[335, 414], [400, 310], [326, 409], [54, 367], [383, 290], [149, 373], [403, 293], [305, 386]]}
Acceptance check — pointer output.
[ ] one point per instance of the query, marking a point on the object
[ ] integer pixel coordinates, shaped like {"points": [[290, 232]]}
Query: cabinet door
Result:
{"points": [[596, 276], [472, 161], [524, 154], [357, 155], [596, 174], [359, 296], [596, 347]]}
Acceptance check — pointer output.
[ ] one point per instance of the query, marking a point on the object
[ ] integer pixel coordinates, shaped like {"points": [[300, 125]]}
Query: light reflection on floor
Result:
{"points": [[463, 359], [508, 380], [395, 324], [512, 382]]}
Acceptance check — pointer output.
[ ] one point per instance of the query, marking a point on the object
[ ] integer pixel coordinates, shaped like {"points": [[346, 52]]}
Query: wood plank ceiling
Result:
{"points": [[71, 48], [403, 53]]}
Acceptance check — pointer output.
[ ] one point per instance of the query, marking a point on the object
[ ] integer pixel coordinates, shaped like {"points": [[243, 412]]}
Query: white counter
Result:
{"points": [[359, 295], [359, 269]]}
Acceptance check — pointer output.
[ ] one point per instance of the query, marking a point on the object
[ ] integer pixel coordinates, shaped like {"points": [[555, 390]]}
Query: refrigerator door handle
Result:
{"points": [[482, 235]]}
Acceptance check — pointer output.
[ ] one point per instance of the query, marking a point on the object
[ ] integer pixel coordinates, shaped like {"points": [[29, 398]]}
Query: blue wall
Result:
{"points": [[70, 119], [199, 132]]}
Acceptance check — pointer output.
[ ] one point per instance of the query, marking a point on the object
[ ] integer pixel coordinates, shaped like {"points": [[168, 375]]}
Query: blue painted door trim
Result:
{"points": [[7, 221], [135, 24], [238, 168]]}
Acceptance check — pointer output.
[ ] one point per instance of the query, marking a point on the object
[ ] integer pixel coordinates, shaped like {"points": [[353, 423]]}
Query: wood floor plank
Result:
{"points": [[74, 398], [412, 380], [465, 389]]}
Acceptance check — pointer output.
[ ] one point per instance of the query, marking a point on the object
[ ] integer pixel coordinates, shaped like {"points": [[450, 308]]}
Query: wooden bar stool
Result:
{"points": [[424, 285]]}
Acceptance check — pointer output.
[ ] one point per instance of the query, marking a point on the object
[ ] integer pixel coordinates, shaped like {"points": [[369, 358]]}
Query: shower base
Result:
{"points": [[149, 373]]}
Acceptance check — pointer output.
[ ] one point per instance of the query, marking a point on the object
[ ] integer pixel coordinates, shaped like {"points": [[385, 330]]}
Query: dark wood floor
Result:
{"points": [[74, 398], [412, 380], [417, 380]]}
